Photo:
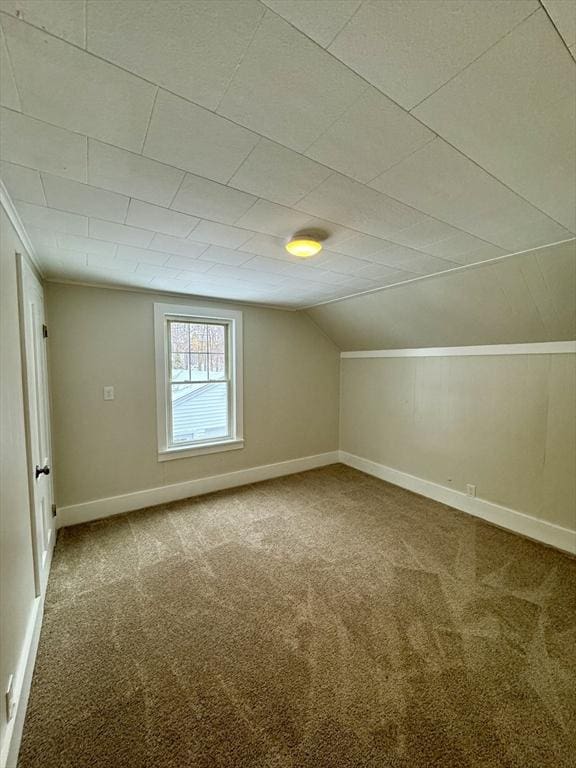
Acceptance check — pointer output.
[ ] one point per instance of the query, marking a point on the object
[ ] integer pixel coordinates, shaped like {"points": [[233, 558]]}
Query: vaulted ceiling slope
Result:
{"points": [[175, 144], [525, 298]]}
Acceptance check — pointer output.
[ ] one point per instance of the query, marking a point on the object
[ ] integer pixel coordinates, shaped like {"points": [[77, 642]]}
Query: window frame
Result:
{"points": [[163, 313]]}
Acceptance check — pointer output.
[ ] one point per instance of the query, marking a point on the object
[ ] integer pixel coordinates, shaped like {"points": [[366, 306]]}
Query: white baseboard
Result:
{"points": [[548, 533], [23, 679], [114, 505]]}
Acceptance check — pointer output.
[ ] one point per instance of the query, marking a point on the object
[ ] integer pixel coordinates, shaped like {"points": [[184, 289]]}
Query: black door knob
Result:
{"points": [[42, 471]]}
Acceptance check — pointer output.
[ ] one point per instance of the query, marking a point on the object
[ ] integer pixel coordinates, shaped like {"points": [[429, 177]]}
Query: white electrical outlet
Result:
{"points": [[108, 393], [10, 699], [470, 490]]}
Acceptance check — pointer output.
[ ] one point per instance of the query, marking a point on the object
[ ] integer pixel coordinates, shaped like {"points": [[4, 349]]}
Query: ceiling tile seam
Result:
{"points": [[309, 192], [500, 181], [127, 197], [342, 28], [247, 211], [233, 122], [107, 221], [178, 188], [113, 146], [476, 265], [240, 247], [560, 35], [252, 231], [513, 191], [367, 259], [242, 57], [12, 72], [141, 153], [167, 255], [352, 229], [334, 171], [261, 136], [470, 63], [43, 189], [348, 109], [383, 194], [413, 152], [235, 171], [194, 226], [84, 184], [130, 198], [90, 53], [85, 2], [408, 111]]}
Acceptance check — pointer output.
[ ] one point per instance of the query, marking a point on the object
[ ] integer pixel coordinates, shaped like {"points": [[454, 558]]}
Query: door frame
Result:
{"points": [[25, 273]]}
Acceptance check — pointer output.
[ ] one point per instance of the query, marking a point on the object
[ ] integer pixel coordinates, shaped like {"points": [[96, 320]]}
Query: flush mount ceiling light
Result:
{"points": [[305, 244]]}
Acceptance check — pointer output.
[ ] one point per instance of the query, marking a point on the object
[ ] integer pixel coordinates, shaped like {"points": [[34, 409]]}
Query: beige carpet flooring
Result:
{"points": [[324, 620]]}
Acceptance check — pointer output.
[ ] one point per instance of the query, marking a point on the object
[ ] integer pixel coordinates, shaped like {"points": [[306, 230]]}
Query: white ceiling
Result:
{"points": [[176, 144], [526, 298]]}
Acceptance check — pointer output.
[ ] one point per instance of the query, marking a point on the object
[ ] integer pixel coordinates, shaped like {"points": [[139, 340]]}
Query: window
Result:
{"points": [[198, 380]]}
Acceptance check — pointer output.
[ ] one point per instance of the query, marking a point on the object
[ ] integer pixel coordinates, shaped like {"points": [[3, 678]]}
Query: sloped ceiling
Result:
{"points": [[176, 144], [526, 298]]}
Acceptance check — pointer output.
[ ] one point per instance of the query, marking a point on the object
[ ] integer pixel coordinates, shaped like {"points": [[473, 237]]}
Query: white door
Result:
{"points": [[34, 332]]}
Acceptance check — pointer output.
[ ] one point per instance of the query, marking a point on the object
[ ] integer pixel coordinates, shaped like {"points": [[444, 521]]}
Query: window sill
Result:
{"points": [[199, 450]]}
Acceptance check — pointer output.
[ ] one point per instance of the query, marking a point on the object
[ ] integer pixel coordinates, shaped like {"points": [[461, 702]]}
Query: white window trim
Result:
{"points": [[163, 313]]}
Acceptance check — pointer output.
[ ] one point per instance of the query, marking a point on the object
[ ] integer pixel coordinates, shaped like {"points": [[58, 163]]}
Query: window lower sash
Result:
{"points": [[183, 452]]}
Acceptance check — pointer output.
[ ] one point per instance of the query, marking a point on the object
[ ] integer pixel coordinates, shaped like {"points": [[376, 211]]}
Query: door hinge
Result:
{"points": [[45, 331], [53, 510]]}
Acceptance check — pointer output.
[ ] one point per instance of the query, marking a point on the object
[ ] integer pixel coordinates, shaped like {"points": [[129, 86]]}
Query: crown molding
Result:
{"points": [[16, 221]]}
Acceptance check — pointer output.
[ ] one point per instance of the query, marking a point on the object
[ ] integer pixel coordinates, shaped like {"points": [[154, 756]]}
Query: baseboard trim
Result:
{"points": [[115, 505], [23, 679], [518, 522]]}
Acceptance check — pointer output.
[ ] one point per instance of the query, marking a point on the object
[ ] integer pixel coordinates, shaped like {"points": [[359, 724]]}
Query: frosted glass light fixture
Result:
{"points": [[306, 244]]}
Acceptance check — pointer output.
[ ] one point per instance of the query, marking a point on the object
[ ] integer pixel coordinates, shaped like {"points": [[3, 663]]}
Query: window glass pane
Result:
{"points": [[180, 367], [217, 339], [198, 337], [199, 412], [179, 337], [199, 367], [217, 367], [198, 381]]}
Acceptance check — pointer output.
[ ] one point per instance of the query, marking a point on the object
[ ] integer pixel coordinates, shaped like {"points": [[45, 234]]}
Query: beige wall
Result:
{"points": [[99, 336], [506, 424], [16, 560]]}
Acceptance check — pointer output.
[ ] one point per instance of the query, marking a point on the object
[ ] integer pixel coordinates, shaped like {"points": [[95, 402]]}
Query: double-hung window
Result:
{"points": [[198, 380]]}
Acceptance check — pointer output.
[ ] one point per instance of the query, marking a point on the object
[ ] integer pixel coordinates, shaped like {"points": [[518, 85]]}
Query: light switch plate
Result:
{"points": [[108, 393]]}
